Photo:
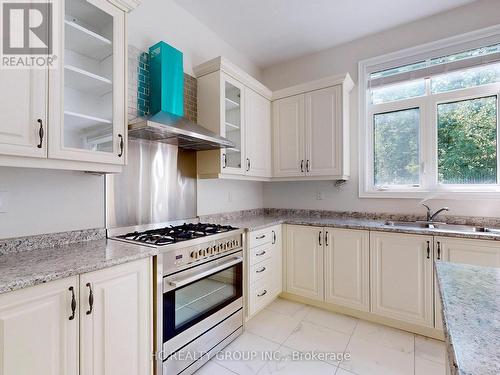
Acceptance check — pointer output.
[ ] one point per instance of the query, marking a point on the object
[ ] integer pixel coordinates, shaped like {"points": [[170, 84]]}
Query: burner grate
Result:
{"points": [[173, 234]]}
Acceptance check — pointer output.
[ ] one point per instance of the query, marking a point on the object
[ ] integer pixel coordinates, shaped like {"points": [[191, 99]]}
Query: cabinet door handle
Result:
{"points": [[326, 238], [224, 161], [120, 154], [274, 237], [262, 294], [91, 299], [439, 251], [319, 238], [428, 250], [261, 253], [260, 270], [260, 237], [302, 165], [307, 166], [40, 133], [73, 303]]}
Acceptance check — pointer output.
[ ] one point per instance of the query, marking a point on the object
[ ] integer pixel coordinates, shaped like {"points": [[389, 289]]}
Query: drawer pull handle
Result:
{"points": [[260, 270], [319, 238], [274, 237], [91, 299], [261, 253], [428, 250], [439, 250], [326, 238], [260, 237], [73, 303], [262, 294]]}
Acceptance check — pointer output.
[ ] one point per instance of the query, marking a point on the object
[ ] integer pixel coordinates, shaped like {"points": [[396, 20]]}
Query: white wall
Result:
{"points": [[215, 196], [46, 201], [156, 20], [345, 58]]}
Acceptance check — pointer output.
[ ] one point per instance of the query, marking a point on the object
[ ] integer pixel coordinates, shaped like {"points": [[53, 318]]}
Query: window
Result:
{"points": [[396, 147], [467, 141], [431, 126]]}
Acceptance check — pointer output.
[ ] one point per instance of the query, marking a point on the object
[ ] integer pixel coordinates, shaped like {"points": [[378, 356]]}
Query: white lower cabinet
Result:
{"points": [[304, 261], [401, 273], [115, 336], [466, 251], [38, 332], [264, 268], [51, 329], [347, 257]]}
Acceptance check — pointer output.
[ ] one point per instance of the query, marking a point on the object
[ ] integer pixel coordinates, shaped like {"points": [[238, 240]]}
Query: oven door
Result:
{"points": [[197, 299]]}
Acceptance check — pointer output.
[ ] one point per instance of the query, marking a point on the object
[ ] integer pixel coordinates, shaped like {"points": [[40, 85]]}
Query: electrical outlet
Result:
{"points": [[4, 201], [320, 196]]}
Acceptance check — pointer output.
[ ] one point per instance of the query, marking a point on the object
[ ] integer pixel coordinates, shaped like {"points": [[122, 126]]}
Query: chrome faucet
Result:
{"points": [[431, 216]]}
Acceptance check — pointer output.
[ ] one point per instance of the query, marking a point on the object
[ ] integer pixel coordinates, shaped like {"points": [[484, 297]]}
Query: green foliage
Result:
{"points": [[467, 141], [397, 147]]}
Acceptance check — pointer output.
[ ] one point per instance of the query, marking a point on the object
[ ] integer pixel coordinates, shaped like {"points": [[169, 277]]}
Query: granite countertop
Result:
{"points": [[28, 261], [31, 267], [471, 313], [256, 222]]}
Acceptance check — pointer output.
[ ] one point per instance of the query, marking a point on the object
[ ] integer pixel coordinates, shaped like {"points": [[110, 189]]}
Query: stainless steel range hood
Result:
{"points": [[168, 123], [169, 128]]}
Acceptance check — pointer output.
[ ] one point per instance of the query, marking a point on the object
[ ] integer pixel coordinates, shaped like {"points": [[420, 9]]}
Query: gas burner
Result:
{"points": [[173, 234]]}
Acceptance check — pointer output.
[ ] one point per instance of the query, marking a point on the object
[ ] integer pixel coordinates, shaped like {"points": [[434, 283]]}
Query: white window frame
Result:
{"points": [[429, 185]]}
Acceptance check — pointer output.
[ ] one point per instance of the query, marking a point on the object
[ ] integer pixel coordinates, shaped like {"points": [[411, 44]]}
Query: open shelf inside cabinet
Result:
{"points": [[85, 81], [86, 42]]}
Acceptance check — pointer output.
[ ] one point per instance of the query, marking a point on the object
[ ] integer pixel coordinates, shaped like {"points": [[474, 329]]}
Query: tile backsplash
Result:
{"points": [[139, 87]]}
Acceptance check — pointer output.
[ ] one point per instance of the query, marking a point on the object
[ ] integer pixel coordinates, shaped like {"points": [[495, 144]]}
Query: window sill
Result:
{"points": [[437, 194]]}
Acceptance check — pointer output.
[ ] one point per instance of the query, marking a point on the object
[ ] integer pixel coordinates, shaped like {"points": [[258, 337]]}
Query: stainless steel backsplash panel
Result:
{"points": [[157, 185]]}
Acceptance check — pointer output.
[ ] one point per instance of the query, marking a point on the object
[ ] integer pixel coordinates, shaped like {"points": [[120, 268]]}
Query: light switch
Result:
{"points": [[320, 196], [4, 201]]}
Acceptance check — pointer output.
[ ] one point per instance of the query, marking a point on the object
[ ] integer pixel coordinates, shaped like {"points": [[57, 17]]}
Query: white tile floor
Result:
{"points": [[288, 328]]}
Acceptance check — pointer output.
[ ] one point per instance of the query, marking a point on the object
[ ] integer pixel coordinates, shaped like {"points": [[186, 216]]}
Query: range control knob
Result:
{"points": [[194, 254]]}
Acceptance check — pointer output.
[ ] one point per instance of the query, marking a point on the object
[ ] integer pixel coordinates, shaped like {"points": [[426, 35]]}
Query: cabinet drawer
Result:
{"points": [[260, 237], [260, 270], [258, 254], [261, 294]]}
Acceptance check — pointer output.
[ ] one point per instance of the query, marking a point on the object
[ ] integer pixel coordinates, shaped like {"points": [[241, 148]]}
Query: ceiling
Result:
{"points": [[272, 31]]}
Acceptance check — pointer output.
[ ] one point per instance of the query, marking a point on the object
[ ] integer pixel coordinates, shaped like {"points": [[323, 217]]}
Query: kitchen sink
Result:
{"points": [[442, 226]]}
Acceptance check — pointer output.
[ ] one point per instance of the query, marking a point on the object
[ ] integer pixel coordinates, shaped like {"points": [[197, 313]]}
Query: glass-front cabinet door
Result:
{"points": [[87, 90], [233, 126]]}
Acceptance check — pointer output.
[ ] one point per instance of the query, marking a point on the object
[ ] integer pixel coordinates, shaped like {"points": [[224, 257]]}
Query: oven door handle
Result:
{"points": [[177, 283]]}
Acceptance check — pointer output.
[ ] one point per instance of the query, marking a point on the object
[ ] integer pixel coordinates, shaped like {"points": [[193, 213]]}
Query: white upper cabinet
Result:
{"points": [[324, 132], [311, 130], [39, 330], [74, 115], [233, 125], [236, 106], [401, 269], [257, 134], [288, 137], [23, 114], [87, 91]]}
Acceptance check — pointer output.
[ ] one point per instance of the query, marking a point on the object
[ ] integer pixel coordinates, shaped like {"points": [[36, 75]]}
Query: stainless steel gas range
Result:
{"points": [[198, 291]]}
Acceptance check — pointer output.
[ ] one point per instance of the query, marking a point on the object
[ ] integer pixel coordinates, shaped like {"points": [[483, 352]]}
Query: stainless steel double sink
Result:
{"points": [[442, 226]]}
